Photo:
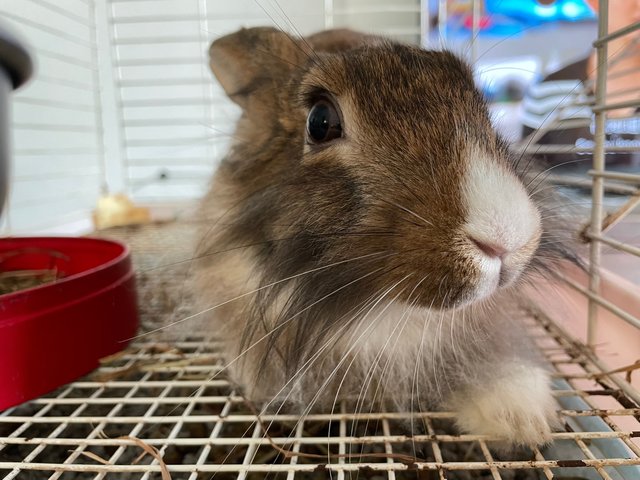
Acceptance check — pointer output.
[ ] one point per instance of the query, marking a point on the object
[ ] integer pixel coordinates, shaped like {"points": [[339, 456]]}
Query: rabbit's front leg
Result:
{"points": [[515, 404]]}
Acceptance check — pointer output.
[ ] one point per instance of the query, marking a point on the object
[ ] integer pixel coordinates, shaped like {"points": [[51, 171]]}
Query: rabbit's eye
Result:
{"points": [[323, 122]]}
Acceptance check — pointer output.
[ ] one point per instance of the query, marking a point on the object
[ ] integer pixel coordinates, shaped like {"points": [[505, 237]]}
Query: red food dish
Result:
{"points": [[56, 332]]}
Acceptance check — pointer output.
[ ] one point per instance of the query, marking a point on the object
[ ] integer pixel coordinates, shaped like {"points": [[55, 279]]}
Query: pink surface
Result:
{"points": [[617, 342]]}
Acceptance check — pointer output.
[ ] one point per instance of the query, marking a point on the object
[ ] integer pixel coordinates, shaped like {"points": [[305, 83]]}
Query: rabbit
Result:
{"points": [[369, 234]]}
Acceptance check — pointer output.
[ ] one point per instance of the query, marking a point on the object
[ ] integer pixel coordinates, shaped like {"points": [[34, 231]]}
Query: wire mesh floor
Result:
{"points": [[154, 411]]}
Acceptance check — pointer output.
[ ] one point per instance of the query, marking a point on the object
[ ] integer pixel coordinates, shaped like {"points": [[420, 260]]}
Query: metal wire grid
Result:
{"points": [[164, 395], [601, 221], [596, 229]]}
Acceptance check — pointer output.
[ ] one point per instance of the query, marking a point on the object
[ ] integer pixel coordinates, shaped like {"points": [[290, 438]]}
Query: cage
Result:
{"points": [[123, 102]]}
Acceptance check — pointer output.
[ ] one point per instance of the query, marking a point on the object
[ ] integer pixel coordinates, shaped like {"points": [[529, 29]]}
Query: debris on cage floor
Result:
{"points": [[166, 395]]}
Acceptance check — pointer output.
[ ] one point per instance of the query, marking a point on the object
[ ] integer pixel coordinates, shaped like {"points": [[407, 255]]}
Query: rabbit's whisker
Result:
{"points": [[415, 382], [209, 309], [301, 371], [407, 210], [299, 375], [544, 173], [381, 384], [347, 353], [282, 324]]}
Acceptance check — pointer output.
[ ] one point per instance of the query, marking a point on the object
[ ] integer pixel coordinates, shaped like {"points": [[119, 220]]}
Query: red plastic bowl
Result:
{"points": [[57, 332]]}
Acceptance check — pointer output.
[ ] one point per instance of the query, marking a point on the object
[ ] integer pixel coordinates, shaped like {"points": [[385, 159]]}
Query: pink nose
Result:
{"points": [[492, 250]]}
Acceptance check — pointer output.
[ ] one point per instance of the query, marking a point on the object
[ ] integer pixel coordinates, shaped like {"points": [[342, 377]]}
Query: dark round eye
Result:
{"points": [[323, 122]]}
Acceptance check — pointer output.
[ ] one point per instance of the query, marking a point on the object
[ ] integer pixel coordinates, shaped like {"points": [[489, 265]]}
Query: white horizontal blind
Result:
{"points": [[398, 19], [57, 139], [176, 120]]}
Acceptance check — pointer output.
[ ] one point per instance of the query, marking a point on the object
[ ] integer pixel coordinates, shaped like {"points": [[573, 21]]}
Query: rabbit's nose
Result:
{"points": [[490, 249]]}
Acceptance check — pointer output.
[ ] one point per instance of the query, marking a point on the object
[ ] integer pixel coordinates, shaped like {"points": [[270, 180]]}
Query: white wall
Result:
{"points": [[56, 134]]}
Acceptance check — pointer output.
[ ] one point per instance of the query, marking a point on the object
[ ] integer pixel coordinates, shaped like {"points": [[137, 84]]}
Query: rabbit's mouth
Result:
{"points": [[455, 270]]}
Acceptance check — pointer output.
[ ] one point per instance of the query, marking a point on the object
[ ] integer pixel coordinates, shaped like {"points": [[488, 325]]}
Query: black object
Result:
{"points": [[15, 69]]}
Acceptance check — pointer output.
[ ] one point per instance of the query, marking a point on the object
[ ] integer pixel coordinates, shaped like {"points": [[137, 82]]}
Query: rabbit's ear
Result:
{"points": [[339, 40], [255, 61]]}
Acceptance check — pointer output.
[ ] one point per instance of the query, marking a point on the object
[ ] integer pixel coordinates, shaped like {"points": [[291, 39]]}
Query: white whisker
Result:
{"points": [[297, 275]]}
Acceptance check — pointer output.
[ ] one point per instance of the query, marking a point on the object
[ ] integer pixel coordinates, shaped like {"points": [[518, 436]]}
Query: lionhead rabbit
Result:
{"points": [[369, 232]]}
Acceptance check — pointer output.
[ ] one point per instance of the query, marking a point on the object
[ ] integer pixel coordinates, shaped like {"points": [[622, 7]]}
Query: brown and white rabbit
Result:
{"points": [[369, 234]]}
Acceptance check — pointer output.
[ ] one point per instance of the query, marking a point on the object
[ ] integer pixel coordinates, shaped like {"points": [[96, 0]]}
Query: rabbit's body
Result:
{"points": [[367, 234]]}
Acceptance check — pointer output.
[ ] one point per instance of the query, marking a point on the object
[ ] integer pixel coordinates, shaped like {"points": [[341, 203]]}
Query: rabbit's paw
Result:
{"points": [[517, 407]]}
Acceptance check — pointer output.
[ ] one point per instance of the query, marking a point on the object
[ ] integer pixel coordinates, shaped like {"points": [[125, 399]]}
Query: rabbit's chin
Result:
{"points": [[494, 282]]}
